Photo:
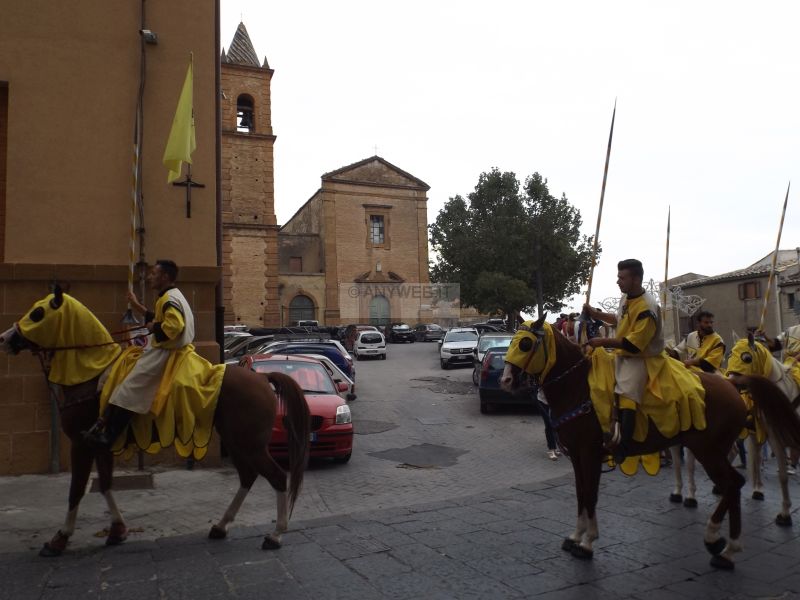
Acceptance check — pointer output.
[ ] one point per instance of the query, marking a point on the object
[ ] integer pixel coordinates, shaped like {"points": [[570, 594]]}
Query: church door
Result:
{"points": [[379, 311]]}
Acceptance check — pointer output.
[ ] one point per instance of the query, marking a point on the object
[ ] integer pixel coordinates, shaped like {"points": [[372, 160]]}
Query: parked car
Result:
{"points": [[351, 332], [344, 362], [331, 420], [234, 337], [499, 323], [484, 328], [486, 341], [428, 332], [245, 345], [490, 393], [400, 332], [337, 375], [306, 323], [457, 346], [370, 343], [269, 346]]}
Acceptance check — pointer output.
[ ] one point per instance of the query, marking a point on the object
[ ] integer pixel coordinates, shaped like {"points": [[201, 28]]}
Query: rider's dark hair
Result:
{"points": [[169, 268], [632, 265], [703, 314]]}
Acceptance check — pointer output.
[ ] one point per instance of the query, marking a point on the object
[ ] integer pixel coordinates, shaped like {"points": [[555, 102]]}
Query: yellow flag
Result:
{"points": [[181, 142]]}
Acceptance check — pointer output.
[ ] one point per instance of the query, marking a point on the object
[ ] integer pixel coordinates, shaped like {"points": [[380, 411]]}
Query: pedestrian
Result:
{"points": [[549, 433]]}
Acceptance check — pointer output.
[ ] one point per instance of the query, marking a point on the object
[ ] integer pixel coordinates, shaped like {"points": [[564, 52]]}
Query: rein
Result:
{"points": [[87, 346]]}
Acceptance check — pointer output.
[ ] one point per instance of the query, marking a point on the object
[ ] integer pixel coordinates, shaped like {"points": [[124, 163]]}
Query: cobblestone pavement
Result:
{"points": [[500, 544], [437, 502]]}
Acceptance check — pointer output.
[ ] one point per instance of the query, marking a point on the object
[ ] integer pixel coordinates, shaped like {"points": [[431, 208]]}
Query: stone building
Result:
{"points": [[250, 230], [357, 250], [69, 83], [737, 298]]}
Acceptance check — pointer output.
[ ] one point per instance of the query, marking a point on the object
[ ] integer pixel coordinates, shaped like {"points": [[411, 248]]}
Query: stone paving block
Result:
{"points": [[502, 567], [436, 538], [409, 527], [697, 590], [478, 587], [303, 552], [456, 526], [468, 552], [581, 592], [280, 588], [532, 553], [255, 572], [78, 592], [377, 565], [139, 590], [470, 515], [408, 586], [504, 526], [356, 547], [627, 583]]}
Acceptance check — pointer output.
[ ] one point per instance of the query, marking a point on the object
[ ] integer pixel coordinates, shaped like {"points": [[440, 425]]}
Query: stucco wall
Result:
{"points": [[73, 75]]}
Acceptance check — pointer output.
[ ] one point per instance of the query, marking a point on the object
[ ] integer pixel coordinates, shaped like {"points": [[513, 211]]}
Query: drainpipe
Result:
{"points": [[218, 300]]}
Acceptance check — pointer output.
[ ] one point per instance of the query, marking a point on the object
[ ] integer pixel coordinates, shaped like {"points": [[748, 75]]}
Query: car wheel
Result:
{"points": [[484, 408], [343, 459], [474, 376], [383, 357], [445, 366]]}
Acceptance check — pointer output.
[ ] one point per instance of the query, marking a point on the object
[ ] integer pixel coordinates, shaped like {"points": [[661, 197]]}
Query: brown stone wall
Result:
{"points": [[250, 243], [3, 155], [308, 219], [25, 406], [73, 77], [313, 286], [307, 247]]}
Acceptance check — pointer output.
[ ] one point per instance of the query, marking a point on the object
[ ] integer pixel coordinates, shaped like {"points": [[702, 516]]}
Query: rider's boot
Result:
{"points": [[627, 421], [114, 422]]}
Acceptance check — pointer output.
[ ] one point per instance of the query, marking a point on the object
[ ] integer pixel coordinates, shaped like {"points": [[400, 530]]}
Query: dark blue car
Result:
{"points": [[489, 391]]}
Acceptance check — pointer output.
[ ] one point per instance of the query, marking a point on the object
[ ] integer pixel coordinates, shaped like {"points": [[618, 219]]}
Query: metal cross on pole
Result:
{"points": [[188, 183]]}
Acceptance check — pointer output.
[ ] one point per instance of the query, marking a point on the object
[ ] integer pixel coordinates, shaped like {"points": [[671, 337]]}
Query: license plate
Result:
{"points": [[313, 436]]}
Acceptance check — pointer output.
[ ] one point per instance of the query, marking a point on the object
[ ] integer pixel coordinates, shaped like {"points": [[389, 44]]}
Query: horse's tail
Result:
{"points": [[297, 423], [774, 408]]}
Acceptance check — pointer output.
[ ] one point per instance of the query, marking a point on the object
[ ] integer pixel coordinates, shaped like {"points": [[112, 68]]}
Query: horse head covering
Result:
{"points": [[749, 357], [82, 347], [533, 348]]}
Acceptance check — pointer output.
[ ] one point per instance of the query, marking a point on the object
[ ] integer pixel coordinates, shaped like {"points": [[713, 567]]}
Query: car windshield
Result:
{"points": [[371, 338], [312, 377], [434, 327], [461, 336], [501, 341], [402, 326]]}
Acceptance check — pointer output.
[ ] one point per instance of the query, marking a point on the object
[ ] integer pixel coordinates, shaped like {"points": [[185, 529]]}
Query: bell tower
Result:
{"points": [[249, 225]]}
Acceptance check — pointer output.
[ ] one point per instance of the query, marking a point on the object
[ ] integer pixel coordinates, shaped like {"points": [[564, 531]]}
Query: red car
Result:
{"points": [[331, 421]]}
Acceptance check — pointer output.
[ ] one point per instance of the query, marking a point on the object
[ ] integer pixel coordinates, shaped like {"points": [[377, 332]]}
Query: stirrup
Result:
{"points": [[611, 440]]}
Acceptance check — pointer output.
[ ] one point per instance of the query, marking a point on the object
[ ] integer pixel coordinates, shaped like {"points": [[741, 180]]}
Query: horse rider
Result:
{"points": [[171, 327], [703, 348], [639, 336], [788, 341]]}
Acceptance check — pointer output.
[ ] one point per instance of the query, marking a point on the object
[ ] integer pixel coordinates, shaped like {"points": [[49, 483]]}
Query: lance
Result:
{"points": [[666, 270], [774, 261], [600, 209]]}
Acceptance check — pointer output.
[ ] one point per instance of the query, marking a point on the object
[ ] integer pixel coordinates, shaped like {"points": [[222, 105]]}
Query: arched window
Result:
{"points": [[301, 308], [245, 115], [379, 311]]}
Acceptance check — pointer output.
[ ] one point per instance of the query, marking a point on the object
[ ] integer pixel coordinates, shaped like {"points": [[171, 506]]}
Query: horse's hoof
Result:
{"points": [[568, 544], [720, 562], [758, 495], [56, 546], [217, 533], [49, 551], [716, 548], [690, 503], [270, 543], [716, 491], [117, 534], [579, 551], [783, 520], [676, 498]]}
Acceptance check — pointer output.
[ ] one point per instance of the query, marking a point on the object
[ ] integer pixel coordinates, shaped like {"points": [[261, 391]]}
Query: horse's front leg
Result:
{"points": [[81, 464], [118, 531], [587, 479], [581, 523], [691, 487]]}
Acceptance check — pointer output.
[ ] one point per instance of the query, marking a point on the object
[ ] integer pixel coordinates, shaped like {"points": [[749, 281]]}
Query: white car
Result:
{"points": [[369, 343], [458, 346]]}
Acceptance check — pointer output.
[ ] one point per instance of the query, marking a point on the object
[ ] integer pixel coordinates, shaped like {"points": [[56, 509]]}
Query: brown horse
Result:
{"points": [[244, 417], [567, 390]]}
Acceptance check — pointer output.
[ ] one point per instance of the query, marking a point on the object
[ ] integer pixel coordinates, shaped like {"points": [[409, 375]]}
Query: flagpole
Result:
{"points": [[774, 261], [600, 209]]}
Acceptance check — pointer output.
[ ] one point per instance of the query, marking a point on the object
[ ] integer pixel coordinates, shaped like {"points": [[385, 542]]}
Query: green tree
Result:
{"points": [[511, 249]]}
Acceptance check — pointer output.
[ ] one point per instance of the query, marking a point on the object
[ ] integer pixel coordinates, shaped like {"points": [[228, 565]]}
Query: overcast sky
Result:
{"points": [[708, 111]]}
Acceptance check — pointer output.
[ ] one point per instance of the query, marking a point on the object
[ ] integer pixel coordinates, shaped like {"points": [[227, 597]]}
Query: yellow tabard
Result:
{"points": [[183, 410], [674, 398]]}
